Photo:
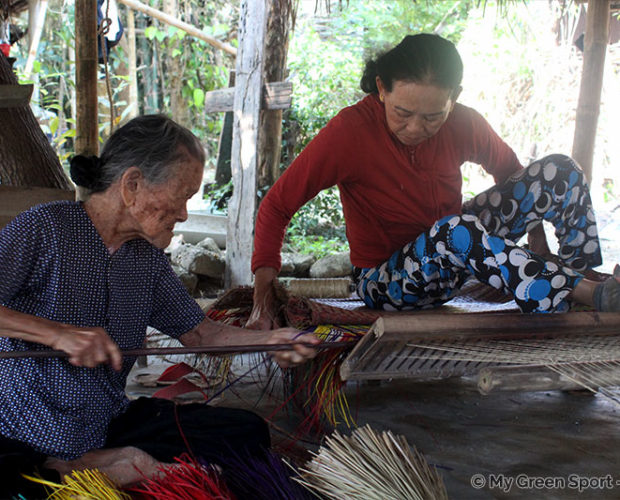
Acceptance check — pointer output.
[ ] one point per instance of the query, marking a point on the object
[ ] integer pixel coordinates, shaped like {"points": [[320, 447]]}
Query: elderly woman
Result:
{"points": [[88, 278], [396, 158]]}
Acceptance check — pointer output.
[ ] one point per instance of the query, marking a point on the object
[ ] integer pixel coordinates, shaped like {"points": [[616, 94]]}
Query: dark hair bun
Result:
{"points": [[369, 78], [85, 170]]}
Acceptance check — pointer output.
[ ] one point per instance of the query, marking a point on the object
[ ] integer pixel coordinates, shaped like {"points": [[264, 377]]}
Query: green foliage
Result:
{"points": [[318, 227], [327, 55], [218, 198], [326, 60], [318, 246]]}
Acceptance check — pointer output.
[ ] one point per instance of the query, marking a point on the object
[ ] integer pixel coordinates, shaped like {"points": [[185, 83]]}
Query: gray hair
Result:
{"points": [[153, 143]]}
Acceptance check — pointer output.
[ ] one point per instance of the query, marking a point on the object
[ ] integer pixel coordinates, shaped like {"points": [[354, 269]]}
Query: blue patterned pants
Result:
{"points": [[481, 243]]}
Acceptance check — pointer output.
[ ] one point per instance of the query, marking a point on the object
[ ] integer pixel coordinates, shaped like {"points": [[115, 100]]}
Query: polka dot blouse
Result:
{"points": [[54, 264]]}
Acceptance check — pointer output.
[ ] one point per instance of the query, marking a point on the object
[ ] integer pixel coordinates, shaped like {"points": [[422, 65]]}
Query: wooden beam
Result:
{"points": [[177, 23], [276, 95], [12, 96], [87, 120], [244, 155], [588, 106]]}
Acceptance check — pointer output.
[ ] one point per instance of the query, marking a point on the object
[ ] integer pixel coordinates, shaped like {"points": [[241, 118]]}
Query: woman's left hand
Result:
{"points": [[300, 353]]}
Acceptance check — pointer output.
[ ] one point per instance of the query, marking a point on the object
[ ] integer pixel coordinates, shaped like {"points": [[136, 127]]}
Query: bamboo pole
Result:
{"points": [[172, 21], [36, 19], [588, 107], [132, 65], [162, 351], [87, 136]]}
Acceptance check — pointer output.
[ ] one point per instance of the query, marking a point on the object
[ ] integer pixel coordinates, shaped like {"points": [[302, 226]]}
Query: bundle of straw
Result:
{"points": [[88, 484], [371, 466]]}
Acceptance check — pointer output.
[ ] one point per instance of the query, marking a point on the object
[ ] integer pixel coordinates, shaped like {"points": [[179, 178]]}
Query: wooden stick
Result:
{"points": [[152, 351], [320, 287], [542, 378]]}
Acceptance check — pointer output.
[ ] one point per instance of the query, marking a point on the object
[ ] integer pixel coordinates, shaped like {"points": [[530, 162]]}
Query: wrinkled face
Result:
{"points": [[414, 111], [159, 207]]}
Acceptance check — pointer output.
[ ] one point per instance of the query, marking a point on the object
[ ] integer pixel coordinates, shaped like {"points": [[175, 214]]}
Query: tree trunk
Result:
{"points": [[175, 68], [588, 107], [276, 48], [124, 69], [26, 157], [223, 173]]}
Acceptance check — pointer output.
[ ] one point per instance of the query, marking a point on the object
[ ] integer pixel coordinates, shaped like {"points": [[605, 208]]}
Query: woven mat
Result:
{"points": [[235, 305]]}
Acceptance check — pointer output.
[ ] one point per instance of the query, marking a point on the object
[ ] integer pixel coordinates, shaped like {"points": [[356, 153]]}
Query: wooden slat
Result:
{"points": [[14, 200], [12, 96], [466, 326], [276, 95]]}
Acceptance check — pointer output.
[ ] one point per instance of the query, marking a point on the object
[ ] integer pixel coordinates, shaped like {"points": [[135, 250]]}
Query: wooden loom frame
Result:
{"points": [[387, 350]]}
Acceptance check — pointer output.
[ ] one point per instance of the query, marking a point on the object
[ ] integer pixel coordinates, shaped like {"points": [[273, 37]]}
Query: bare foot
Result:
{"points": [[124, 466]]}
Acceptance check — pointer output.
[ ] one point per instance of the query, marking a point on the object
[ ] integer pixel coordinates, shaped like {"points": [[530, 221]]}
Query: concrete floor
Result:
{"points": [[565, 437], [564, 444]]}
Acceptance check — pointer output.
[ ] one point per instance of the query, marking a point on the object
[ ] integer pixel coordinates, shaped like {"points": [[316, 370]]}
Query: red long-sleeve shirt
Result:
{"points": [[390, 192]]}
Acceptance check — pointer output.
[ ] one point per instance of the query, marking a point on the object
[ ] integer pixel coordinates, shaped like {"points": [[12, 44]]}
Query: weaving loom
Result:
{"points": [[430, 346], [478, 334]]}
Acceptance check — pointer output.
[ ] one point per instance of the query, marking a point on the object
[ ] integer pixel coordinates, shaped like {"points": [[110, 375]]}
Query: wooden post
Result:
{"points": [[588, 107], [87, 136], [244, 156]]}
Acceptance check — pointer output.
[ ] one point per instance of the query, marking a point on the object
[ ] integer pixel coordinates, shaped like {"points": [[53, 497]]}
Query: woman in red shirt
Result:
{"points": [[396, 158]]}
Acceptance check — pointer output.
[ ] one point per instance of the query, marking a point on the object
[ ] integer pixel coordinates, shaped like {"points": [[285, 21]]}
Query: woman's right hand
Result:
{"points": [[87, 347], [264, 310]]}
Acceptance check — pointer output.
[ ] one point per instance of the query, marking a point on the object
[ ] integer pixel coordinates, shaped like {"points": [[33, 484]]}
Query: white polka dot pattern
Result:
{"points": [[54, 264]]}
